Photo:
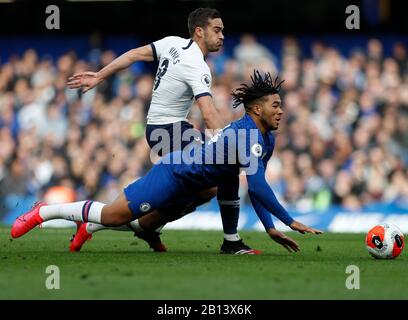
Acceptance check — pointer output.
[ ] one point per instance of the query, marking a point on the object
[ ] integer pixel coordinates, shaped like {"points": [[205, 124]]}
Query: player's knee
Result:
{"points": [[111, 218]]}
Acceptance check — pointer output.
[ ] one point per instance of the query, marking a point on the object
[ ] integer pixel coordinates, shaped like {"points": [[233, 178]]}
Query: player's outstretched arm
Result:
{"points": [[88, 80]]}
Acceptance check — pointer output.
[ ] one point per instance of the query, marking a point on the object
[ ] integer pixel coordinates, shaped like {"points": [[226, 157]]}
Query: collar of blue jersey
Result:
{"points": [[251, 121]]}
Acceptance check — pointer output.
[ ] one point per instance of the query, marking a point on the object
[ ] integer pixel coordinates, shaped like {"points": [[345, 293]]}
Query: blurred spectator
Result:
{"points": [[15, 180], [251, 54]]}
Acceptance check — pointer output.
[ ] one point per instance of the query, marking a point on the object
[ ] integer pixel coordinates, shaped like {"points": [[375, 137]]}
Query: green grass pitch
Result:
{"points": [[115, 265]]}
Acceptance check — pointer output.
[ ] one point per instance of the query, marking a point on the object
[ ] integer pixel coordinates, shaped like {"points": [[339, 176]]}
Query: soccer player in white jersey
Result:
{"points": [[182, 76]]}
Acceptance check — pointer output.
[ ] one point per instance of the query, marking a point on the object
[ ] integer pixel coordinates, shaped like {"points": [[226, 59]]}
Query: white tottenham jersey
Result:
{"points": [[182, 75]]}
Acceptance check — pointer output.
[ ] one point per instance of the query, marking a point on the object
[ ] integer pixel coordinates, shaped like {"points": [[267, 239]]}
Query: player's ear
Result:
{"points": [[199, 32], [256, 108]]}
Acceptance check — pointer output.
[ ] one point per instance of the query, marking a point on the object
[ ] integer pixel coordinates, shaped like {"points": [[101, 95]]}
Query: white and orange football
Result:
{"points": [[385, 241]]}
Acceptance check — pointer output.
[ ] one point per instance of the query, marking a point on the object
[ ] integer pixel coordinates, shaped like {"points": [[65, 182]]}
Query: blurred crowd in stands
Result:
{"points": [[343, 139]]}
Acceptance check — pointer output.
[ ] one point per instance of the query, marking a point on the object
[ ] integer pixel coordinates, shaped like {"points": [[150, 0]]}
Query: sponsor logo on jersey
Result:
{"points": [[206, 80], [145, 207], [256, 150]]}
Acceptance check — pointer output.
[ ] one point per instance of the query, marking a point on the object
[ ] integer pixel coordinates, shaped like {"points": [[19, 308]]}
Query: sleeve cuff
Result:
{"points": [[154, 52], [202, 95]]}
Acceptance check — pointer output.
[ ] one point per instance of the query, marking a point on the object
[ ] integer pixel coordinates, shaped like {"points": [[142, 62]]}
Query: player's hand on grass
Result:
{"points": [[300, 227], [86, 80], [279, 237]]}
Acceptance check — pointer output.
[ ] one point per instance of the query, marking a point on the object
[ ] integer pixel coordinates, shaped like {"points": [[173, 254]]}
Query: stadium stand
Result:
{"points": [[343, 141]]}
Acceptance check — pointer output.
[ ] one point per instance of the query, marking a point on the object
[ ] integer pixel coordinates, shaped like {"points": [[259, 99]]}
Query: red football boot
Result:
{"points": [[79, 238], [79, 224], [27, 221]]}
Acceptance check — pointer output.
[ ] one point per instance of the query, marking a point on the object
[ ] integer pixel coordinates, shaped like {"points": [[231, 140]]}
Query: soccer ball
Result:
{"points": [[385, 241]]}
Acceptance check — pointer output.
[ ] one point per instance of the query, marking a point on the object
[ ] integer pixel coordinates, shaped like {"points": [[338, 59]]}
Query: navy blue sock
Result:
{"points": [[230, 215], [228, 200]]}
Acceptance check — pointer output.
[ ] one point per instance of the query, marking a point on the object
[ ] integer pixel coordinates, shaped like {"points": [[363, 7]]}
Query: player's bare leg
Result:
{"points": [[117, 213]]}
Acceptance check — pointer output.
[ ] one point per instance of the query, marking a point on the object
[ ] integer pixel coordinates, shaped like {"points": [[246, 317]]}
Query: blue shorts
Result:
{"points": [[178, 137], [159, 189]]}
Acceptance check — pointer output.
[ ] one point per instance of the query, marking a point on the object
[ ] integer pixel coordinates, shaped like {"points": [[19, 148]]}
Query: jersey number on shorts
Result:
{"points": [[160, 73]]}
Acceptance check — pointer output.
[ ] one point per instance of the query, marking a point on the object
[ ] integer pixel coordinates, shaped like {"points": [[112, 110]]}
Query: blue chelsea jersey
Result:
{"points": [[239, 145]]}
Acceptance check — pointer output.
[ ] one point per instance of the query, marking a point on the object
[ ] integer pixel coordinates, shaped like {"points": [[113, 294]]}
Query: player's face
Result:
{"points": [[213, 36], [271, 111]]}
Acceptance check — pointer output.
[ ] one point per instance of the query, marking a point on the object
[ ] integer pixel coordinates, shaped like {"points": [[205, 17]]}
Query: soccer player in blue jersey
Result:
{"points": [[182, 76], [177, 180]]}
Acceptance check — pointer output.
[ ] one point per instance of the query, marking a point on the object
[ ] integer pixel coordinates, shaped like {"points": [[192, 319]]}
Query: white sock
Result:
{"points": [[232, 237], [68, 211], [138, 229], [94, 227], [95, 212], [75, 211], [136, 226]]}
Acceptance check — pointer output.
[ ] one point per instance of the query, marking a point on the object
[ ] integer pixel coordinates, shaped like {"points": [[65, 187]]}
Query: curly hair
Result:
{"points": [[260, 87]]}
